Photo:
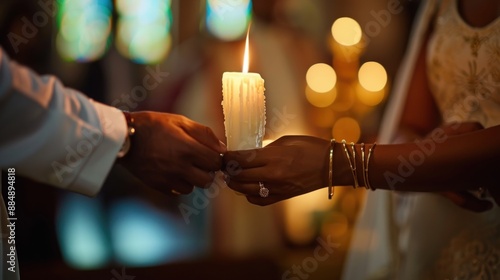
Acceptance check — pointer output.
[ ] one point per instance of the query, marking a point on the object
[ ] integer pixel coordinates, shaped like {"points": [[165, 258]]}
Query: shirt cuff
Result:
{"points": [[114, 129]]}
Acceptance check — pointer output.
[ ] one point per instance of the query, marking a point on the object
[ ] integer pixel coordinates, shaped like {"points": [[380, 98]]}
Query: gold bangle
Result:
{"points": [[330, 172], [363, 165], [367, 180], [351, 164]]}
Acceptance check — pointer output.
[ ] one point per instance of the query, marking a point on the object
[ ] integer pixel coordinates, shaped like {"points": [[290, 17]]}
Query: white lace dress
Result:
{"points": [[439, 240], [425, 236]]}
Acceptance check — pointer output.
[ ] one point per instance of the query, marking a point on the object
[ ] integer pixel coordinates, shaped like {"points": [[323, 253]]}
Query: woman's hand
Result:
{"points": [[465, 199], [288, 167]]}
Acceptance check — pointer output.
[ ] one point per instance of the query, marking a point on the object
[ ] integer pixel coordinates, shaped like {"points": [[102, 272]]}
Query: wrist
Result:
{"points": [[352, 165], [127, 144]]}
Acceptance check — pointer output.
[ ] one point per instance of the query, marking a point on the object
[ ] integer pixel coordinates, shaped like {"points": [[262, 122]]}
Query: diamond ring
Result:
{"points": [[263, 192]]}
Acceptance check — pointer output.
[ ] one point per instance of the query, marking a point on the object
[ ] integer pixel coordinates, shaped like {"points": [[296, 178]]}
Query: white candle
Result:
{"points": [[244, 108]]}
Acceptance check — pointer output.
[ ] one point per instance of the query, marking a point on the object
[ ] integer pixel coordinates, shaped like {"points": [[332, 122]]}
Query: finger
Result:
{"points": [[246, 188], [248, 158], [468, 201], [209, 162], [199, 178], [205, 136], [258, 174], [203, 157], [175, 187], [184, 190]]}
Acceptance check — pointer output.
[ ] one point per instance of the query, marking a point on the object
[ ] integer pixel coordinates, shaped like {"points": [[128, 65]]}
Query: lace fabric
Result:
{"points": [[472, 254], [464, 76]]}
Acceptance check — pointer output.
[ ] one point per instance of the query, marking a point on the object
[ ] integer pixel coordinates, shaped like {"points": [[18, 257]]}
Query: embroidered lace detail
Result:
{"points": [[473, 254], [464, 68]]}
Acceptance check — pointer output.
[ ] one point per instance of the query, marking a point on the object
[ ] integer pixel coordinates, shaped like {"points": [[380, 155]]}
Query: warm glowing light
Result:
{"points": [[321, 100], [228, 19], [299, 216], [372, 76], [246, 56], [346, 31], [266, 142], [336, 225], [321, 77], [346, 128], [370, 98]]}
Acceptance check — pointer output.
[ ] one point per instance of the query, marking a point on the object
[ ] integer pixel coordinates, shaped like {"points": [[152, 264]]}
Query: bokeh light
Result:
{"points": [[144, 236], [228, 19], [320, 99], [143, 30], [321, 77], [84, 29], [370, 98], [336, 225], [346, 31], [81, 232], [346, 128], [299, 216], [372, 76]]}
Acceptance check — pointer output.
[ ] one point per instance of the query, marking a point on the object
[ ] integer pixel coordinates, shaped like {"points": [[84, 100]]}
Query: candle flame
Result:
{"points": [[246, 56]]}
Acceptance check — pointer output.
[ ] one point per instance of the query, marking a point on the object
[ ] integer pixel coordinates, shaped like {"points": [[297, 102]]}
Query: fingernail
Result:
{"points": [[223, 146]]}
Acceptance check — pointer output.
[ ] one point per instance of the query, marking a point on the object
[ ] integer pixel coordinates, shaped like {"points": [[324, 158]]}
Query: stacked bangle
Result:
{"points": [[351, 158], [330, 172]]}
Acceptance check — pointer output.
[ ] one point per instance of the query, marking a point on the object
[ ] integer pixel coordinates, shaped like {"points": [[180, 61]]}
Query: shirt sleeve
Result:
{"points": [[53, 134]]}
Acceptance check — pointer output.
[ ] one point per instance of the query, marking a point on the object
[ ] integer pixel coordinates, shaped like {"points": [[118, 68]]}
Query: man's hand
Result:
{"points": [[172, 153]]}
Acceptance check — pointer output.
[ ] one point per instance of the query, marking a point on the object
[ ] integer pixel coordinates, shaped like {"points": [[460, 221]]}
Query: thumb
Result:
{"points": [[206, 136], [468, 201]]}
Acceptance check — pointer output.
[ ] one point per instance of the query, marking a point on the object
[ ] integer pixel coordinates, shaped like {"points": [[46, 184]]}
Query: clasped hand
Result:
{"points": [[295, 165], [288, 167], [172, 153]]}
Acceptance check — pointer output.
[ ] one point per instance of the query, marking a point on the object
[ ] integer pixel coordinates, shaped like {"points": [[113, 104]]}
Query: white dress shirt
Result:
{"points": [[54, 135]]}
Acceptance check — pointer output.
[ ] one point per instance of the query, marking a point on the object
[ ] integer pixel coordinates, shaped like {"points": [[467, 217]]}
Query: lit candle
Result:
{"points": [[244, 107]]}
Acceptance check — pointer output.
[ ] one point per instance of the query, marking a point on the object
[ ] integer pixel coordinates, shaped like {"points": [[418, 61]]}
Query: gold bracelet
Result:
{"points": [[370, 152], [130, 132], [330, 172], [351, 164], [363, 165]]}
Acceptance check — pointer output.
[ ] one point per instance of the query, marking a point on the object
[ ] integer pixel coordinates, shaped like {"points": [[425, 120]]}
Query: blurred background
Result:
{"points": [[328, 67]]}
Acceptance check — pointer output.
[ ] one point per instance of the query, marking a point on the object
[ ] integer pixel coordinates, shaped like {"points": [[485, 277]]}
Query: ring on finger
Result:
{"points": [[263, 191]]}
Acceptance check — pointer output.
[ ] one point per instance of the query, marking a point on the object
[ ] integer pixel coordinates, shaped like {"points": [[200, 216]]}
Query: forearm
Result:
{"points": [[437, 163], [53, 134]]}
